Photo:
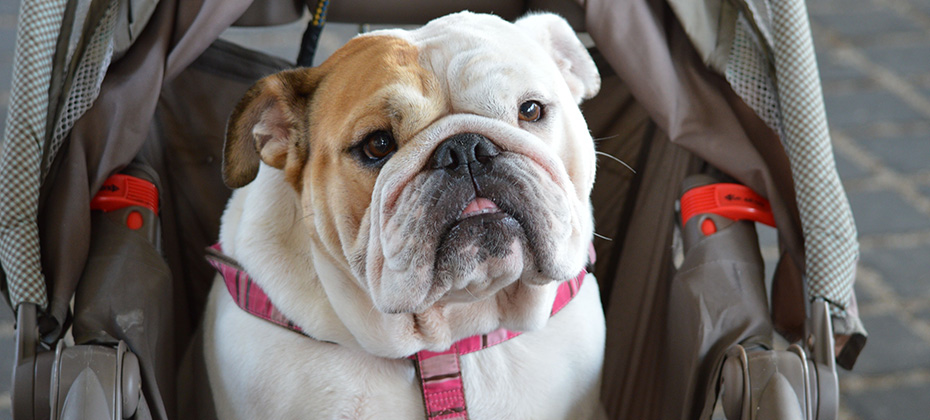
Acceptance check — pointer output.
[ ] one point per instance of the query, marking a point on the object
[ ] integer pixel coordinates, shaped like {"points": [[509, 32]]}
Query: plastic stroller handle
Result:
{"points": [[733, 201], [121, 191]]}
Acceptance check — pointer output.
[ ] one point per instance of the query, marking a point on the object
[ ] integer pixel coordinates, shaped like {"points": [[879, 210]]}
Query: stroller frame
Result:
{"points": [[683, 97]]}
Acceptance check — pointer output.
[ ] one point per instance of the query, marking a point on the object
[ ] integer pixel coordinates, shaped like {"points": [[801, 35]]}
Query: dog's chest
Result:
{"points": [[285, 375]]}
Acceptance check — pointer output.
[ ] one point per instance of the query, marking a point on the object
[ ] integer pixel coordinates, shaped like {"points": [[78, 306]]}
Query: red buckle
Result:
{"points": [[120, 191], [733, 201]]}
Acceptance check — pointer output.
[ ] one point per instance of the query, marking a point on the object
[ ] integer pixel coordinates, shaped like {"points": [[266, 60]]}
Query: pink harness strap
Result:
{"points": [[440, 373], [248, 295]]}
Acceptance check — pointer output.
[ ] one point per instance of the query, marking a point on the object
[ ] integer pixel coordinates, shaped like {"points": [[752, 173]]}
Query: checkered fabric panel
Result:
{"points": [[36, 36], [831, 247]]}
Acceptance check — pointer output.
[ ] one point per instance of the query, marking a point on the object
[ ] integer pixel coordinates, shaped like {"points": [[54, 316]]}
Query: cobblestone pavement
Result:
{"points": [[875, 64], [874, 60]]}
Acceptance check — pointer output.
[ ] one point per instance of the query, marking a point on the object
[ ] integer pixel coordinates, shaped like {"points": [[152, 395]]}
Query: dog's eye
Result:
{"points": [[531, 111], [378, 146]]}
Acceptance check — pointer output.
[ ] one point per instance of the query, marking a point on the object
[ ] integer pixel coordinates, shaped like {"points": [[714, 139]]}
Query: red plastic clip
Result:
{"points": [[120, 191], [733, 201]]}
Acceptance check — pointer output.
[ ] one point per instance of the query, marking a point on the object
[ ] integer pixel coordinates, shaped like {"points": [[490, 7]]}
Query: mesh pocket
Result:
{"points": [[85, 87], [748, 73]]}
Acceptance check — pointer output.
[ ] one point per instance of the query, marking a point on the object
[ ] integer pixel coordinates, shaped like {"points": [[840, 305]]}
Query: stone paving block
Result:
{"points": [[7, 48], [907, 60], [849, 170], [865, 25], [863, 297], [832, 69], [922, 6], [6, 75], [9, 7], [907, 154], [896, 403], [892, 347], [923, 315], [904, 269], [866, 107], [879, 212], [818, 8]]}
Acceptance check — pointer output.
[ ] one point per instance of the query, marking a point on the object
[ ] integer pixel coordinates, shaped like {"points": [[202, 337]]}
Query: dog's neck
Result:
{"points": [[263, 229]]}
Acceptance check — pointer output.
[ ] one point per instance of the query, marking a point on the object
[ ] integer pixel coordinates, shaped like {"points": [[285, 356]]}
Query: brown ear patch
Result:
{"points": [[268, 124]]}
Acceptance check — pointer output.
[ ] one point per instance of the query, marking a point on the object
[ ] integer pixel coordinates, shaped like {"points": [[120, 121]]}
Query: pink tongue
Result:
{"points": [[478, 205]]}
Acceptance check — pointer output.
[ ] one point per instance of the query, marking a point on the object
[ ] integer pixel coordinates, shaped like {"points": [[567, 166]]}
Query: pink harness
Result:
{"points": [[440, 373]]}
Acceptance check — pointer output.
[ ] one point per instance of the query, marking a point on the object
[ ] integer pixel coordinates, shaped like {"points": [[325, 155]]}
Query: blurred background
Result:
{"points": [[874, 58]]}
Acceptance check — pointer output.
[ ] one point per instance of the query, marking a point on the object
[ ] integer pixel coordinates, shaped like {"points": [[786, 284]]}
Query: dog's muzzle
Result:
{"points": [[464, 154], [467, 155]]}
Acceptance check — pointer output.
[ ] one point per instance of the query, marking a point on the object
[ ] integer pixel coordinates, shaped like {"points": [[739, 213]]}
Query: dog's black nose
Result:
{"points": [[462, 150]]}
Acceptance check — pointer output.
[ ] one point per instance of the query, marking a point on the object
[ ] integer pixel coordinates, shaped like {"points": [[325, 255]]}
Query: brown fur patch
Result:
{"points": [[268, 124], [306, 122], [372, 83]]}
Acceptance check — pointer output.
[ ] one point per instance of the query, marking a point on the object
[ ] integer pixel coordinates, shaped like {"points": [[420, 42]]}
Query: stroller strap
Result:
{"points": [[440, 373], [247, 295]]}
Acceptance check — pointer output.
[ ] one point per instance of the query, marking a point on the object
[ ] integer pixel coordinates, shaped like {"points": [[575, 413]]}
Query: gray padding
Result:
{"points": [[717, 299], [122, 295]]}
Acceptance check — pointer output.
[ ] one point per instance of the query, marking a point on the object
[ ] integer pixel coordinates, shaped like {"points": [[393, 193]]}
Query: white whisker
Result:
{"points": [[597, 235], [616, 159]]}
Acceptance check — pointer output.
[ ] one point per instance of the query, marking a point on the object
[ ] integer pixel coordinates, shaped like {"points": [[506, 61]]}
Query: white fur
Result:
{"points": [[259, 370]]}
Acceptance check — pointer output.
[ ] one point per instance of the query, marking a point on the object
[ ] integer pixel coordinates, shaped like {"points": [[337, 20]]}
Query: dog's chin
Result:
{"points": [[478, 255]]}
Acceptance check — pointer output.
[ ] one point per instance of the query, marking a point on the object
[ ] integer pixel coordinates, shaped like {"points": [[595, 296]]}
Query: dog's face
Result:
{"points": [[441, 165]]}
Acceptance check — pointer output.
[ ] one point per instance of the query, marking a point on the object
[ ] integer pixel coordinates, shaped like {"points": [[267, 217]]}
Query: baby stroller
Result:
{"points": [[108, 300]]}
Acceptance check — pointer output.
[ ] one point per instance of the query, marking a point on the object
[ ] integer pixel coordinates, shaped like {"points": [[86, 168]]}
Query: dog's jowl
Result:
{"points": [[409, 232]]}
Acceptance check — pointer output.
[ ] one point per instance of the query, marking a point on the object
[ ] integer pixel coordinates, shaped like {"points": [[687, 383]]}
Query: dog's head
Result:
{"points": [[440, 165]]}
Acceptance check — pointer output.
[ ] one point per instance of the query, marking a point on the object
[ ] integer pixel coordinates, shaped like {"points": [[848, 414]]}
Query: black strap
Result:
{"points": [[311, 36]]}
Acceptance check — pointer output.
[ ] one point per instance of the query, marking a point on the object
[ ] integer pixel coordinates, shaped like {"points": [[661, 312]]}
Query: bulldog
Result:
{"points": [[418, 189]]}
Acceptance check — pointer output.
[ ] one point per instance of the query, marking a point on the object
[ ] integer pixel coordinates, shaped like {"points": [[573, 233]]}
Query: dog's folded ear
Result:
{"points": [[558, 37], [269, 124]]}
